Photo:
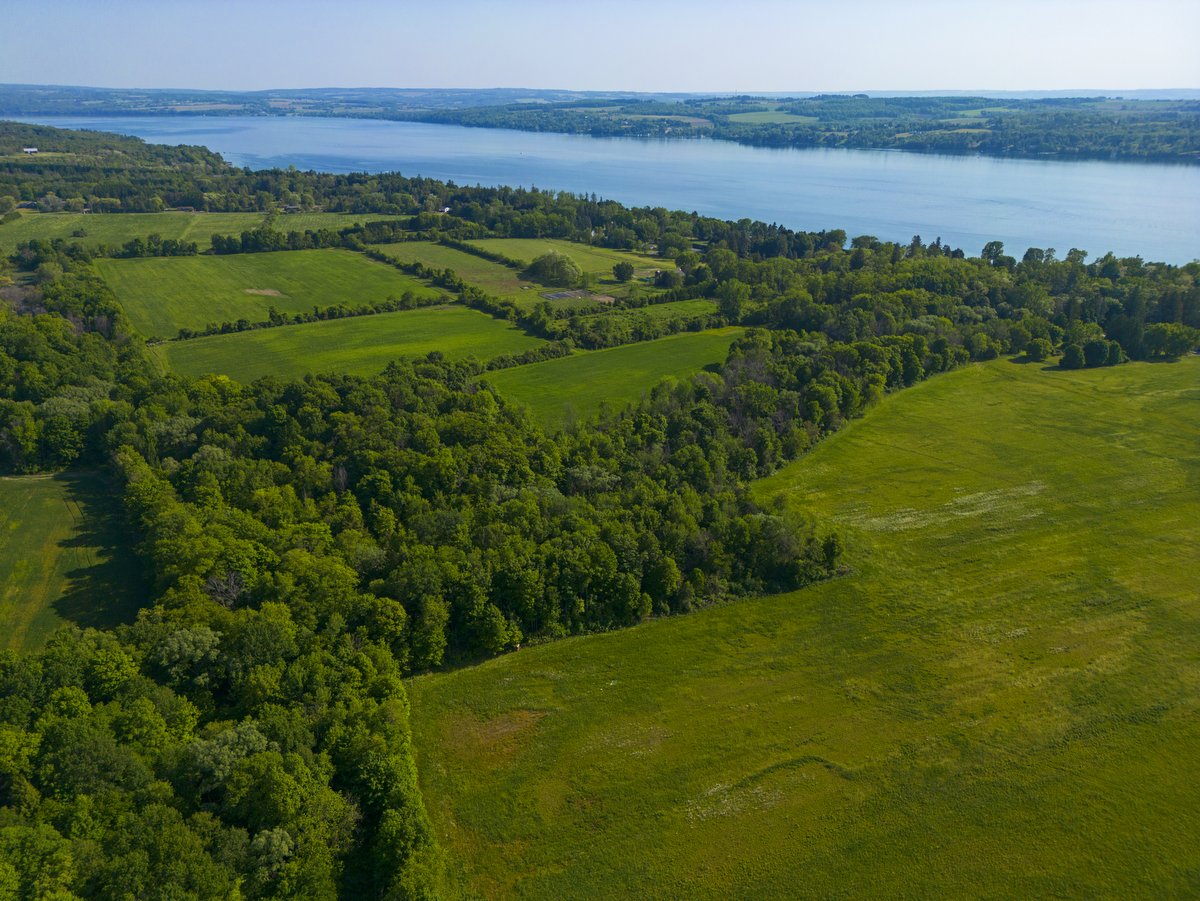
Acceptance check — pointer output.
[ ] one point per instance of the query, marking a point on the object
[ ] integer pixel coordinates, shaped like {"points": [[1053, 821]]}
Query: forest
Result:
{"points": [[310, 543]]}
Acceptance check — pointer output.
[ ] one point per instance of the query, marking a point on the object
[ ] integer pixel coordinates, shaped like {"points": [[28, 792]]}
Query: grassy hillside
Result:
{"points": [[492, 277], [362, 345], [163, 295], [114, 229], [1000, 699], [596, 260], [60, 557], [556, 390]]}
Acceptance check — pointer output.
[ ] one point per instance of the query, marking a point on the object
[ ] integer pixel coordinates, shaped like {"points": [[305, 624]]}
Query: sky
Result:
{"points": [[698, 46]]}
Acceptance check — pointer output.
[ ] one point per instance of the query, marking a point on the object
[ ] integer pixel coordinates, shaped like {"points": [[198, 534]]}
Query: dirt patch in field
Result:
{"points": [[265, 292]]}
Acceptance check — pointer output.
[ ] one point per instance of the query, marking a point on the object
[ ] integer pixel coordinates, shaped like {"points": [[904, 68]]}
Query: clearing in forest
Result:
{"points": [[360, 345], [1001, 698], [63, 557], [574, 387]]}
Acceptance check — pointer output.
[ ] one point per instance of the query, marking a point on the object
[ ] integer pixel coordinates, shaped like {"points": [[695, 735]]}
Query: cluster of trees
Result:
{"points": [[1065, 127]]}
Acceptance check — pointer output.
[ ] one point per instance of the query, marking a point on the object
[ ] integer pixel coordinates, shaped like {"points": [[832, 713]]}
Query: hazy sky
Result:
{"points": [[755, 45]]}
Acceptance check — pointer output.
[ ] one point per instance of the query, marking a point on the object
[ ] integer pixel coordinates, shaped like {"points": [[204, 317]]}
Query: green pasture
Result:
{"points": [[62, 557], [999, 699], [599, 261], [676, 309], [361, 345], [772, 117], [575, 387], [114, 229], [164, 294], [494, 278]]}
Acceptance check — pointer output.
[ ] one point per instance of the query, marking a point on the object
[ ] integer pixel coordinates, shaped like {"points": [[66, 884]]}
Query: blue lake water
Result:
{"points": [[1146, 209]]}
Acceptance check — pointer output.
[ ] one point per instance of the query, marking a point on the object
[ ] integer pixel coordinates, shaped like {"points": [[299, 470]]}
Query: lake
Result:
{"points": [[1146, 209]]}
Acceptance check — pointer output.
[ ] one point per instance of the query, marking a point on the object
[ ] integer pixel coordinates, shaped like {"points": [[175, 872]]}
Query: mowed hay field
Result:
{"points": [[1001, 699], [163, 295], [361, 345], [574, 387], [596, 260], [114, 229], [494, 278], [60, 557]]}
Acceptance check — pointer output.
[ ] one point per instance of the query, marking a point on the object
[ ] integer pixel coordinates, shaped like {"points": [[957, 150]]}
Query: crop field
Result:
{"points": [[494, 278], [557, 391], [1000, 699], [773, 117], [114, 229], [676, 309], [362, 345], [60, 557], [163, 295], [596, 260]]}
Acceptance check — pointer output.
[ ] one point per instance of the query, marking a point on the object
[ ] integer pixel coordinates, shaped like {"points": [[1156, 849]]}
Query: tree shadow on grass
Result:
{"points": [[112, 586]]}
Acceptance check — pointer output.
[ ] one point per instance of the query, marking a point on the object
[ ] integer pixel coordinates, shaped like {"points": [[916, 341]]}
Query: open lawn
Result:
{"points": [[114, 229], [1001, 699], [362, 345], [575, 387], [163, 295], [62, 558]]}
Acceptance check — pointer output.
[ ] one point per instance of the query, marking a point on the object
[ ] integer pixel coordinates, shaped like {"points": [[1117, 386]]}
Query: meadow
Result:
{"points": [[114, 229], [573, 388], [494, 278], [61, 557], [1000, 698], [163, 295], [676, 309], [361, 345], [598, 261]]}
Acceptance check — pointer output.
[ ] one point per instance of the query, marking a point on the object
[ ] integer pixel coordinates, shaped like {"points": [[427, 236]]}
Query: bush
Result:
{"points": [[555, 269], [1072, 357]]}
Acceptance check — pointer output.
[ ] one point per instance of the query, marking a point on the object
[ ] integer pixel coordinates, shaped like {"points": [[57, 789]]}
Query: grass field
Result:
{"points": [[362, 345], [596, 260], [114, 229], [772, 117], [163, 295], [676, 309], [558, 390], [1000, 700], [493, 278], [61, 557]]}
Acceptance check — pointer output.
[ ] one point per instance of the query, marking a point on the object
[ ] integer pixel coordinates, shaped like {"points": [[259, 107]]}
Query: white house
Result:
{"points": [[29, 149]]}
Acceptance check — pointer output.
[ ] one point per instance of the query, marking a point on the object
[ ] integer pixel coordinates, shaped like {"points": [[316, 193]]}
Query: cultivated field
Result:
{"points": [[114, 229], [362, 345], [596, 260], [1000, 699], [163, 295], [676, 309], [493, 278], [60, 558], [574, 387]]}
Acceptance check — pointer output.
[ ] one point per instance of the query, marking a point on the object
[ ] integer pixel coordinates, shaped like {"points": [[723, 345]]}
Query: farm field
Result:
{"points": [[494, 278], [596, 260], [773, 117], [576, 386], [114, 229], [676, 309], [1000, 699], [361, 345], [163, 295], [60, 557]]}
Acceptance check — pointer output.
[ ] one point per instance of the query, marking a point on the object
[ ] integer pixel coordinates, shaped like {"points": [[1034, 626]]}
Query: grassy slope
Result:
{"points": [[114, 229], [362, 345], [597, 260], [555, 390], [163, 295], [491, 277], [60, 557], [1001, 700]]}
